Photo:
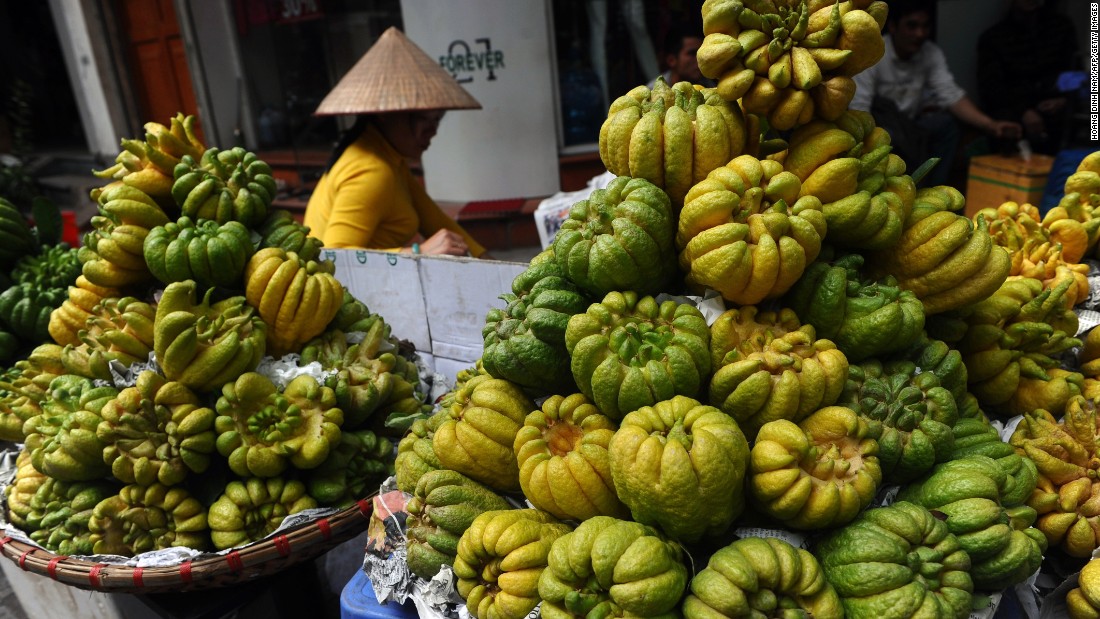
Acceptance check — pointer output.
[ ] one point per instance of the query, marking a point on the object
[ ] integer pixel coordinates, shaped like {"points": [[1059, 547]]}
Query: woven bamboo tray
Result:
{"points": [[263, 558]]}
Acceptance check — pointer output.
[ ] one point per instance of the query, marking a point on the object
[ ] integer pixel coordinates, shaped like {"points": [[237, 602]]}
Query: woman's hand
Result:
{"points": [[445, 242]]}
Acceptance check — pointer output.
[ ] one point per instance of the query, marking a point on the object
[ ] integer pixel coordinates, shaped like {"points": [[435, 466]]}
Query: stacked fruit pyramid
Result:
{"points": [[187, 265], [871, 332]]}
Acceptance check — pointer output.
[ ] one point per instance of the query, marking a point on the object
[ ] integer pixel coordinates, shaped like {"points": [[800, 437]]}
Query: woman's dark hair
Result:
{"points": [[347, 138], [901, 8]]}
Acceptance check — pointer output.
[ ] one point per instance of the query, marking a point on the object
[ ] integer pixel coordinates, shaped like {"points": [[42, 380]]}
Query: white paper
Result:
{"points": [[988, 611], [1054, 604], [797, 540]]}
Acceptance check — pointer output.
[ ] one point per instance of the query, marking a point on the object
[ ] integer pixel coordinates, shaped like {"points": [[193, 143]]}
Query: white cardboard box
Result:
{"points": [[389, 283], [436, 302]]}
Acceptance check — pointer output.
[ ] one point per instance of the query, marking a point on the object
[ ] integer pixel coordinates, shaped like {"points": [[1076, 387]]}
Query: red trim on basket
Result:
{"points": [[93, 574], [138, 581], [324, 528], [282, 545], [234, 561], [51, 567], [364, 507], [23, 557], [185, 572]]}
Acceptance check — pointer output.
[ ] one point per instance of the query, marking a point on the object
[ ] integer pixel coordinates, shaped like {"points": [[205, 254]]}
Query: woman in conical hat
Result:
{"points": [[367, 196]]}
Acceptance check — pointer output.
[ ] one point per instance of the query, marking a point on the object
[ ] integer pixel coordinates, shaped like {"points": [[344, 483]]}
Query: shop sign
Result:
{"points": [[464, 62], [252, 13], [298, 10]]}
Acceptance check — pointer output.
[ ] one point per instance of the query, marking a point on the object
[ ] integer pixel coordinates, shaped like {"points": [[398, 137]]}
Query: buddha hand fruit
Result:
{"points": [[206, 345], [1065, 455], [148, 164], [672, 135], [62, 437], [156, 431], [899, 560], [212, 254], [23, 389], [564, 466], [946, 261], [352, 470], [790, 60], [679, 465], [21, 490], [61, 512], [295, 297], [769, 367], [443, 506], [815, 475], [229, 185], [1004, 548], [56, 266], [282, 231], [630, 351], [500, 558], [70, 317], [612, 566], [525, 341], [16, 238], [476, 435], [1083, 602], [367, 381], [262, 430], [143, 518], [761, 575], [415, 455], [118, 329], [865, 318], [908, 414], [619, 238], [251, 509], [745, 232], [26, 310]]}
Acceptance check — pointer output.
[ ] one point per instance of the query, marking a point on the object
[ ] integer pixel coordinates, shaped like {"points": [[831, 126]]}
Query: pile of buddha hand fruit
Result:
{"points": [[36, 269], [871, 337], [142, 420]]}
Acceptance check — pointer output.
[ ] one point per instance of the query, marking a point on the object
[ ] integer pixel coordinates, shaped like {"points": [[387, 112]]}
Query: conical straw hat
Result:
{"points": [[393, 76]]}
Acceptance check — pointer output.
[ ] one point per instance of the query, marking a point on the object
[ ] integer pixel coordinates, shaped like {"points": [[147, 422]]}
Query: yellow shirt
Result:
{"points": [[370, 199]]}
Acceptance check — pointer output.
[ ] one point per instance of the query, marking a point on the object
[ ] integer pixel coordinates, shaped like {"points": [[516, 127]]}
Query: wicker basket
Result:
{"points": [[250, 562]]}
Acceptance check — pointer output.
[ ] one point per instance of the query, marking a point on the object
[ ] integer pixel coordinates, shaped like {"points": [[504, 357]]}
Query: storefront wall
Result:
{"points": [[502, 54], [260, 67]]}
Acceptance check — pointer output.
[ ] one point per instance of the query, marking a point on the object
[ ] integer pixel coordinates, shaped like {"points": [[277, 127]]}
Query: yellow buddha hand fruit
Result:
{"points": [[612, 566], [1090, 353], [564, 466], [672, 135], [500, 558], [746, 578], [789, 377], [477, 435], [817, 474], [746, 233], [946, 261], [296, 298], [783, 58], [847, 164], [749, 329], [1065, 455], [1084, 601], [679, 465]]}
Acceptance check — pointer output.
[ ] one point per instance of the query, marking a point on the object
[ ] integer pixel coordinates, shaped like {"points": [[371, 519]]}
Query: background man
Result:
{"points": [[681, 43], [913, 95]]}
